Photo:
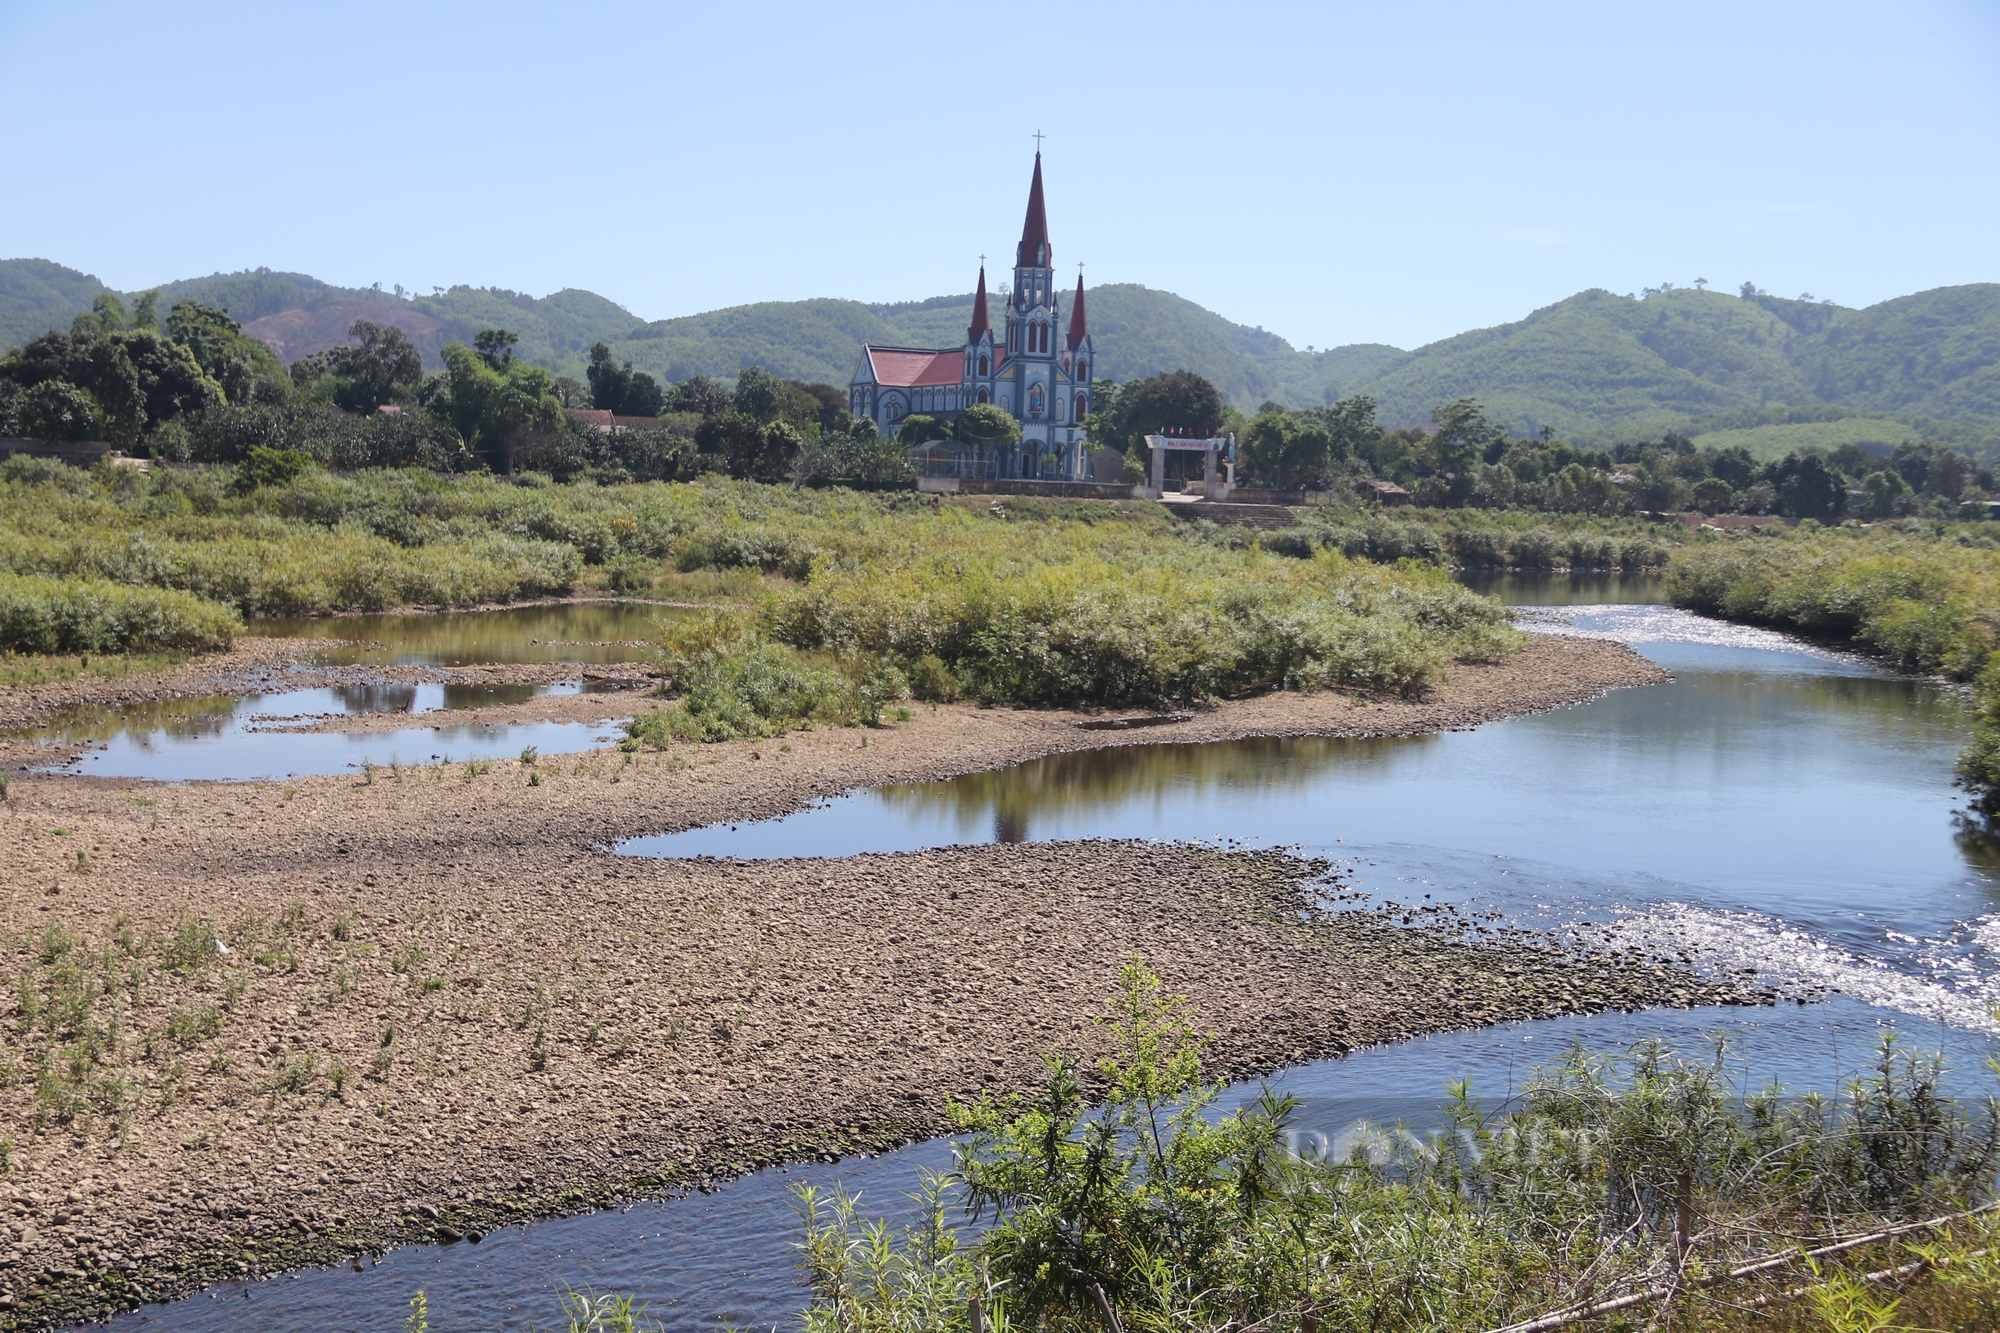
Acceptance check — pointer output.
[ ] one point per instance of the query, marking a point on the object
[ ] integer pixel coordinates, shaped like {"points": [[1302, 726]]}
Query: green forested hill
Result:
{"points": [[1597, 368], [37, 295], [1137, 332]]}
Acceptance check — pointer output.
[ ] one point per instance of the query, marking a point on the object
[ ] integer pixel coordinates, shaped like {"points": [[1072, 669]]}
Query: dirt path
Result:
{"points": [[279, 1024]]}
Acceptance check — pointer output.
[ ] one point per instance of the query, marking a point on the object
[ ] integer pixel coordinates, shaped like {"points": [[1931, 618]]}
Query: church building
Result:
{"points": [[1036, 369]]}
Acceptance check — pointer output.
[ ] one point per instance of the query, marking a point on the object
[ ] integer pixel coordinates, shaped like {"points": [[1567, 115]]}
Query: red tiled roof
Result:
{"points": [[590, 416], [912, 367]]}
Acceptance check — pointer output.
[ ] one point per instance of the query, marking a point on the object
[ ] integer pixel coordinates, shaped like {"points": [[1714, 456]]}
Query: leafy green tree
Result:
{"points": [[833, 413], [759, 394], [385, 367], [1462, 437], [1661, 492], [1178, 401], [496, 411], [496, 347], [105, 317], [621, 389], [1808, 488], [1734, 465], [1286, 449], [918, 429], [1887, 494], [244, 368], [768, 398], [137, 378], [745, 447], [985, 424], [700, 395], [146, 310], [1712, 495], [58, 410]]}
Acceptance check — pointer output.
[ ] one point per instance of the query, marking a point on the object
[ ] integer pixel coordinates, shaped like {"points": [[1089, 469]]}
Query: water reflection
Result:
{"points": [[1686, 804], [1068, 790], [235, 739], [578, 632], [1566, 589]]}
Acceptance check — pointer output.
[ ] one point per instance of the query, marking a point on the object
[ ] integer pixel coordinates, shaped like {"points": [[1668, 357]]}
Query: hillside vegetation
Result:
{"points": [[1596, 368]]}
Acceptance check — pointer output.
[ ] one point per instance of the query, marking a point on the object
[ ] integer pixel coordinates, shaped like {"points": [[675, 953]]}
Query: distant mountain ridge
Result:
{"points": [[1594, 367]]}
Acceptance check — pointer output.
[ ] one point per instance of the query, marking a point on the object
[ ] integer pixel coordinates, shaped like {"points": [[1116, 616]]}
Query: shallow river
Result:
{"points": [[1774, 807], [243, 738]]}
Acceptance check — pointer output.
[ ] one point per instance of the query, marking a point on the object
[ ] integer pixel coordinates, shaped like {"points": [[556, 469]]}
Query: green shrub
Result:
{"points": [[47, 615], [1120, 1193], [270, 467], [764, 691]]}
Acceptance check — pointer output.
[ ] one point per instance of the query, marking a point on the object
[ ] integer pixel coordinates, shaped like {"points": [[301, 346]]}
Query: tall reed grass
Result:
{"points": [[1028, 600]]}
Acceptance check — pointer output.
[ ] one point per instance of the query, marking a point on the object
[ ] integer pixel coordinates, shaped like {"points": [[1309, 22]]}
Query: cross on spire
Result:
{"points": [[1039, 136]]}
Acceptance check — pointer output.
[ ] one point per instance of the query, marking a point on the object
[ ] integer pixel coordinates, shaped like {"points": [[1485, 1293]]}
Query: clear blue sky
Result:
{"points": [[1333, 172]]}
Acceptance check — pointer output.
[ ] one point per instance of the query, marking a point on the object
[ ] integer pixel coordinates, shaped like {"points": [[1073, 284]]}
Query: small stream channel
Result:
{"points": [[243, 738], [1776, 807]]}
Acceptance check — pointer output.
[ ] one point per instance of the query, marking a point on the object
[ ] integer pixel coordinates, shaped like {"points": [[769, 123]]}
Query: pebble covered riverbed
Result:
{"points": [[446, 1004]]}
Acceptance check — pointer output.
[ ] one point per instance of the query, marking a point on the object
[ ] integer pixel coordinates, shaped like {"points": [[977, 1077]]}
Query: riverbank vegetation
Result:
{"points": [[1922, 597], [1464, 460], [1119, 1198], [1024, 600]]}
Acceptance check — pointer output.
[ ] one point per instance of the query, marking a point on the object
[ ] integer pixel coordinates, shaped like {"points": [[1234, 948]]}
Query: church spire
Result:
{"points": [[980, 324], [1079, 327], [1033, 252]]}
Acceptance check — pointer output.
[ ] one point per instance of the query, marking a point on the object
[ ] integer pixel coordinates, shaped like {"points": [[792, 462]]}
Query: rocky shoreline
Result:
{"points": [[322, 1017]]}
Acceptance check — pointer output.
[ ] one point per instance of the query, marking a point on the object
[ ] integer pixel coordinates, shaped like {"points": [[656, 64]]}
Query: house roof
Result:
{"points": [[915, 367]]}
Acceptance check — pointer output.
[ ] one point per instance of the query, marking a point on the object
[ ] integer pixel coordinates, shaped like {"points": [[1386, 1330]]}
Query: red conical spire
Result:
{"points": [[1033, 251], [979, 320], [1079, 327]]}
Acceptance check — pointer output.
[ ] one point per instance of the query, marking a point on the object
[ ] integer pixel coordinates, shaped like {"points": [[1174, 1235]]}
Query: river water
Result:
{"points": [[243, 738], [1776, 806]]}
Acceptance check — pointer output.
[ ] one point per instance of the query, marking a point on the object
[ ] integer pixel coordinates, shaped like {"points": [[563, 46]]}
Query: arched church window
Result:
{"points": [[1082, 406], [1059, 407], [982, 395], [982, 369], [1082, 371]]}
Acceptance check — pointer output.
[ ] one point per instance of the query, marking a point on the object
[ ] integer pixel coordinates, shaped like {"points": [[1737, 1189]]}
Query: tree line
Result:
{"points": [[1461, 459], [194, 388]]}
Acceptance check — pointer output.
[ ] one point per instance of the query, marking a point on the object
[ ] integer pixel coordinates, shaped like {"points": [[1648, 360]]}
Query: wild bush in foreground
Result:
{"points": [[1119, 1191]]}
